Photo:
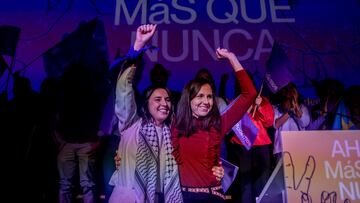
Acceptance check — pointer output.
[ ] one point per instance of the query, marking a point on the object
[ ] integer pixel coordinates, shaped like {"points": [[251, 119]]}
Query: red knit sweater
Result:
{"points": [[263, 119], [198, 153]]}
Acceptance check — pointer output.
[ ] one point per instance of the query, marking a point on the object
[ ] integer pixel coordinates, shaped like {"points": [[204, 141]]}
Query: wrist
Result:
{"points": [[236, 65], [291, 112], [299, 114], [138, 45]]}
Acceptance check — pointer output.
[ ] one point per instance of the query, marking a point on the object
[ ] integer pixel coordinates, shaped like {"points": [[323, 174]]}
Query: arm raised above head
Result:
{"points": [[226, 54], [125, 104], [143, 34], [239, 106]]}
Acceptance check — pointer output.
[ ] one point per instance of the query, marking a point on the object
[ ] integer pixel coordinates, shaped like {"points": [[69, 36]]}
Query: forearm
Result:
{"points": [[235, 64], [138, 45], [304, 119], [239, 107], [125, 105], [281, 120], [315, 125]]}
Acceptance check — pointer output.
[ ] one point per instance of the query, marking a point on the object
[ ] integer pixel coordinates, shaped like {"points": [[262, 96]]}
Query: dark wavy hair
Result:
{"points": [[184, 117], [145, 113], [206, 74]]}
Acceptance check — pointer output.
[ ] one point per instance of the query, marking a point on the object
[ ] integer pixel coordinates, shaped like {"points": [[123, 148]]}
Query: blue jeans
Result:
{"points": [[73, 156]]}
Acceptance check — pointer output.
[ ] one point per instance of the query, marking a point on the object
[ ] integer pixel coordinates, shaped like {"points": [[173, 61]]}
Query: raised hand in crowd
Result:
{"points": [[143, 34], [222, 53]]}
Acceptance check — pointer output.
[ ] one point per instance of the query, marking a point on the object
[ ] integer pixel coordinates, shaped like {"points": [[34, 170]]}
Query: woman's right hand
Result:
{"points": [[258, 100], [143, 34], [218, 171], [117, 160]]}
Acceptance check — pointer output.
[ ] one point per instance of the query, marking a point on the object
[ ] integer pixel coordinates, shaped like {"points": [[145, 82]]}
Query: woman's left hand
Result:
{"points": [[117, 159], [218, 171], [222, 53]]}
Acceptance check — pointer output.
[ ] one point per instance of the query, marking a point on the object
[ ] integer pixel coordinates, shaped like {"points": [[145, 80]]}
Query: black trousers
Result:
{"points": [[254, 171]]}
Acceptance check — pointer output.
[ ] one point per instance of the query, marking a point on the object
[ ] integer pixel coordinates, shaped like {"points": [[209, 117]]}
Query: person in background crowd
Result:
{"points": [[290, 115], [330, 93], [352, 101], [76, 132], [254, 164]]}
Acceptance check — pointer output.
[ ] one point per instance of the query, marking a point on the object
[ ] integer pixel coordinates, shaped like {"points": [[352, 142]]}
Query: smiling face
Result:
{"points": [[203, 102], [159, 106]]}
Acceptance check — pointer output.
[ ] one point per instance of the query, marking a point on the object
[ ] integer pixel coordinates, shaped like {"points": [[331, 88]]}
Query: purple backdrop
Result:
{"points": [[320, 37]]}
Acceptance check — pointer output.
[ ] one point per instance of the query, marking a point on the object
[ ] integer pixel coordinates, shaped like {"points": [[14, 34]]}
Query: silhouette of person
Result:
{"points": [[159, 76], [76, 131]]}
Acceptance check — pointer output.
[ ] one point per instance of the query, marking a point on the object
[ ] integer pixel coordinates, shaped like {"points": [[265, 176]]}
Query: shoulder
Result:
{"points": [[304, 108], [131, 130]]}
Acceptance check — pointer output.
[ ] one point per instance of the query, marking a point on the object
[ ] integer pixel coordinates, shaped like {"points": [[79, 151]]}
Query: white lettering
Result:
{"points": [[355, 148], [197, 36], [349, 171], [192, 13], [130, 19], [250, 20], [337, 149], [164, 10], [193, 44], [260, 46], [247, 35], [357, 166], [185, 47], [230, 17], [334, 174], [164, 13], [275, 18], [351, 192]]}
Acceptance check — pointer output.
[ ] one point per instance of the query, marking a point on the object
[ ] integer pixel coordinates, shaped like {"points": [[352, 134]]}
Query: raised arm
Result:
{"points": [[238, 108], [265, 112], [279, 118], [226, 54], [143, 34], [125, 105]]}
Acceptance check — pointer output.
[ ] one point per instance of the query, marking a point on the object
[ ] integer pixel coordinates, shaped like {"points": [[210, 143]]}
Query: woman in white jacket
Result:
{"points": [[148, 171], [290, 115]]}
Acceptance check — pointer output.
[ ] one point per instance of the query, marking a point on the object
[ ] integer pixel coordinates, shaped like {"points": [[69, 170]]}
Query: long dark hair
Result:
{"points": [[145, 113], [184, 118]]}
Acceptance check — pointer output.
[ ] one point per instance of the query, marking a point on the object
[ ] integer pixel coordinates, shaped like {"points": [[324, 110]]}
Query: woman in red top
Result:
{"points": [[199, 130], [254, 164]]}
